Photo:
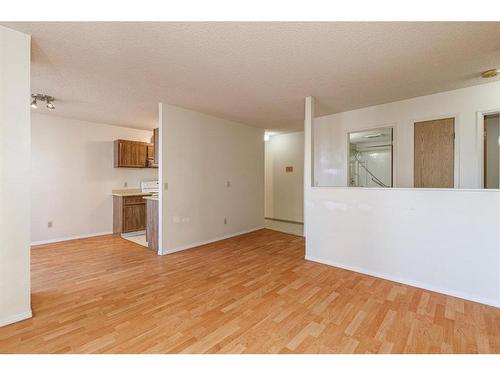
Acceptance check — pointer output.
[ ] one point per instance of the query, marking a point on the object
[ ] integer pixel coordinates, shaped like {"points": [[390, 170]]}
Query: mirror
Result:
{"points": [[370, 158]]}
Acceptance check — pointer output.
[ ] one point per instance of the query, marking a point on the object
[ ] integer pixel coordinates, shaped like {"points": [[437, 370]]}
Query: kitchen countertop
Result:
{"points": [[129, 193], [151, 197]]}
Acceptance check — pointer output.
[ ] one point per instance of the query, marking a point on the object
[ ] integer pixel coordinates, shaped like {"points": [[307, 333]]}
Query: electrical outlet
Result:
{"points": [[125, 184], [225, 220], [49, 224]]}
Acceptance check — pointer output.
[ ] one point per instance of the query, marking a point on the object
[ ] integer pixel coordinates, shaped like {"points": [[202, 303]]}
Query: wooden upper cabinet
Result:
{"points": [[130, 154], [150, 151], [156, 143]]}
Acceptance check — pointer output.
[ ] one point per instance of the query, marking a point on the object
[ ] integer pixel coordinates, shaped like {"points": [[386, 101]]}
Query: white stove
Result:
{"points": [[150, 187]]}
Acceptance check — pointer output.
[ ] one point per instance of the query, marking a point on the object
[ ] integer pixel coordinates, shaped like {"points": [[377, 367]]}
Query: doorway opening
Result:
{"points": [[284, 182]]}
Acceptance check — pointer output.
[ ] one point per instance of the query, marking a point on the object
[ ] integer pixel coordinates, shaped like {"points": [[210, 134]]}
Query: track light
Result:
{"points": [[43, 98], [50, 106], [33, 102]]}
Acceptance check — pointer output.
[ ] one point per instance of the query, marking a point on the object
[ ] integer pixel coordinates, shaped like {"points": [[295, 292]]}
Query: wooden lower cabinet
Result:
{"points": [[134, 217], [152, 223], [129, 214]]}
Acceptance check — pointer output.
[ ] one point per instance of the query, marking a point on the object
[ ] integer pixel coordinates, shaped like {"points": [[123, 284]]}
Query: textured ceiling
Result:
{"points": [[254, 73]]}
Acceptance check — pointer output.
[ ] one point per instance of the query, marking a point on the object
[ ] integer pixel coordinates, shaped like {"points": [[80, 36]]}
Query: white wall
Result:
{"points": [[330, 134], [443, 240], [14, 176], [200, 153], [285, 190], [446, 241], [73, 176]]}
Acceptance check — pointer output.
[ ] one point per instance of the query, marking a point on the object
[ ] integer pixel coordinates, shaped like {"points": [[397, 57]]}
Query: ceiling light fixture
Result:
{"points": [[268, 135], [490, 73], [43, 98]]}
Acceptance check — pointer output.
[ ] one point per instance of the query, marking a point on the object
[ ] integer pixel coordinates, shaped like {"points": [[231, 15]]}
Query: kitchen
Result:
{"points": [[135, 210], [76, 167]]}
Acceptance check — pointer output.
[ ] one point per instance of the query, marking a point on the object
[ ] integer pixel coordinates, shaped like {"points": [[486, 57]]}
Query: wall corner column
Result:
{"points": [[308, 156], [15, 166]]}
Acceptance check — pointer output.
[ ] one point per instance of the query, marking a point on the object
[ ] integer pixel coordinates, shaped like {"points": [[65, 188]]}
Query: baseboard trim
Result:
{"points": [[133, 234], [284, 220], [69, 238], [196, 244], [16, 318], [416, 284]]}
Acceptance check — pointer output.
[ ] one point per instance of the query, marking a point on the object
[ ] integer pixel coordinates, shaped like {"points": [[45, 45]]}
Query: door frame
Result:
{"points": [[480, 143], [456, 146]]}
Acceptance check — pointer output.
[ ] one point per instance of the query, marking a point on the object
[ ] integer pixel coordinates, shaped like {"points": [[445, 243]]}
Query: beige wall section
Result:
{"points": [[285, 190], [200, 154], [14, 176], [73, 175]]}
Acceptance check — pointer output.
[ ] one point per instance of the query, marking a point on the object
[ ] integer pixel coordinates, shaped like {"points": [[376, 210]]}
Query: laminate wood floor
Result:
{"points": [[250, 294]]}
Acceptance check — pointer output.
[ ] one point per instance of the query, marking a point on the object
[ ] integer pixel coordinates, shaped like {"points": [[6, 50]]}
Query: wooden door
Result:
{"points": [[434, 153]]}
